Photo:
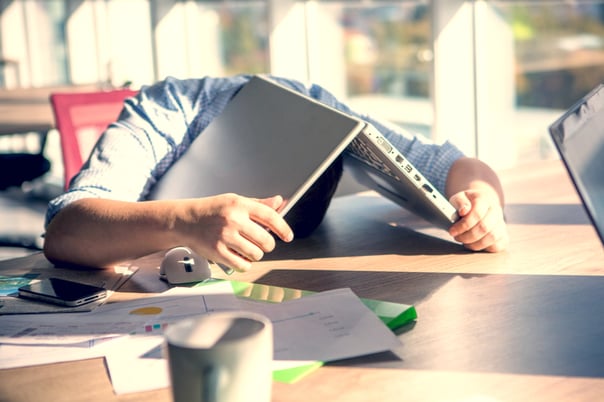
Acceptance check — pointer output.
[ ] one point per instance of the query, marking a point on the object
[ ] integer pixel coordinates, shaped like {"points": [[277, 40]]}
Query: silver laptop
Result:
{"points": [[273, 140], [579, 138], [374, 162], [268, 140]]}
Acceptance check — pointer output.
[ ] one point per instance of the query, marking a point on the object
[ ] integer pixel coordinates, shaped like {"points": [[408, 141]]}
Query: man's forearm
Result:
{"points": [[471, 173], [101, 233]]}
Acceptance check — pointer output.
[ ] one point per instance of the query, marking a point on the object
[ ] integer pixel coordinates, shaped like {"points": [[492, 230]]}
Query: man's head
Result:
{"points": [[310, 210]]}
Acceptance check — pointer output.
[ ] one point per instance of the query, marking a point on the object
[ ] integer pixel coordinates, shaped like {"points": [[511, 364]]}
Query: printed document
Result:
{"points": [[324, 327]]}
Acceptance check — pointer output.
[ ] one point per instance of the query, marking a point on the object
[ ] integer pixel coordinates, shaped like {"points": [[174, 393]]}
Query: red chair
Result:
{"points": [[80, 118]]}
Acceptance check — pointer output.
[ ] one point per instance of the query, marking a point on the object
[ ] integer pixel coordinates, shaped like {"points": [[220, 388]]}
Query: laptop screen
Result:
{"points": [[579, 138]]}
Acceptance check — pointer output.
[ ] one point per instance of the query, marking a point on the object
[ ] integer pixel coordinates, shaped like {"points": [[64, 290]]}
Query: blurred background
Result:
{"points": [[491, 76]]}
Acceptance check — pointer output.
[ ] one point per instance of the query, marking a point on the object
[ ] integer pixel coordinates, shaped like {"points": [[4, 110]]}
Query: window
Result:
{"points": [[488, 75]]}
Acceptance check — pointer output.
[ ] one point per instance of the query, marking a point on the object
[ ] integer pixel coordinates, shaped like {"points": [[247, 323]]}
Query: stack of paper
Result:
{"points": [[308, 331]]}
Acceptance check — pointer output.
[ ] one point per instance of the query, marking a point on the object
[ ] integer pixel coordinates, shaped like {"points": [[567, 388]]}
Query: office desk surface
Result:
{"points": [[26, 110], [525, 324]]}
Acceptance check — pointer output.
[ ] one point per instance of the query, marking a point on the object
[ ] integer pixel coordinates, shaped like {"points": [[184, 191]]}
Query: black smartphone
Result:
{"points": [[62, 292]]}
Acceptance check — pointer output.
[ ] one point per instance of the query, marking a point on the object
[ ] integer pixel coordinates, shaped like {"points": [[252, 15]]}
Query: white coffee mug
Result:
{"points": [[221, 356]]}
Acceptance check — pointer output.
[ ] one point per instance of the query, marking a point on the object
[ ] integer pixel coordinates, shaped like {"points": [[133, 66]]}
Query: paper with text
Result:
{"points": [[325, 326]]}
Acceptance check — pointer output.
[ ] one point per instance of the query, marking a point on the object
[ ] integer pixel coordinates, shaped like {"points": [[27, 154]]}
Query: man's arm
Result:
{"points": [[476, 192], [228, 229]]}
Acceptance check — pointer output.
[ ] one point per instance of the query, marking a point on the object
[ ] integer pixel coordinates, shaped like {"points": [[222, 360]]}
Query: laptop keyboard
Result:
{"points": [[361, 151]]}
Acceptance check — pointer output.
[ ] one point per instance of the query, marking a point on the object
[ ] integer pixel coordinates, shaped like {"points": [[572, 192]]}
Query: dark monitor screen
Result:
{"points": [[579, 138]]}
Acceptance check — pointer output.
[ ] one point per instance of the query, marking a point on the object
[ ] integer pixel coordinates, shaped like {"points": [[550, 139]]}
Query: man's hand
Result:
{"points": [[227, 228], [475, 191], [482, 225], [233, 230]]}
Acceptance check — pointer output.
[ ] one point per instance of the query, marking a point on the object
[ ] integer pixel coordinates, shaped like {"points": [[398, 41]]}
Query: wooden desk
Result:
{"points": [[26, 110], [523, 325]]}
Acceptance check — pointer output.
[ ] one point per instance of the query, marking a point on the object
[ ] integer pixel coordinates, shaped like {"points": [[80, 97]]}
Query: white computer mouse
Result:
{"points": [[182, 265]]}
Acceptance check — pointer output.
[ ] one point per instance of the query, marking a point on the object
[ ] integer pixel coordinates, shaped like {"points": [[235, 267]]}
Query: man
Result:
{"points": [[103, 218]]}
